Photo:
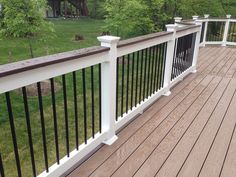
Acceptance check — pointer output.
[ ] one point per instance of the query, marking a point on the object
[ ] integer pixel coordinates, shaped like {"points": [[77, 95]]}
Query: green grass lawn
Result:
{"points": [[65, 31]]}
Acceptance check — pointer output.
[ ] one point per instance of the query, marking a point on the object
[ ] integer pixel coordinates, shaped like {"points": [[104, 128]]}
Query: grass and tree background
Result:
{"points": [[26, 33]]}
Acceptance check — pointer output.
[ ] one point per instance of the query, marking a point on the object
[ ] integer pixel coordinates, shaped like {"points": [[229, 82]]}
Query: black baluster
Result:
{"points": [[85, 105], [145, 70], [141, 75], [132, 82], [127, 85], [149, 67], [55, 119], [40, 100], [136, 85], [122, 87], [76, 111], [13, 133], [92, 95], [117, 87], [66, 115], [100, 97], [27, 116]]}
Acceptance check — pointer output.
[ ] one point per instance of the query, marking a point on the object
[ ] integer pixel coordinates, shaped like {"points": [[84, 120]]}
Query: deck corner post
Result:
{"points": [[108, 83], [169, 58], [196, 47], [206, 17], [226, 30]]}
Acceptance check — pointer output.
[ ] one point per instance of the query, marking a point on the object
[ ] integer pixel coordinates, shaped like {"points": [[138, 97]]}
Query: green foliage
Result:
{"points": [[97, 8], [25, 19], [128, 18]]}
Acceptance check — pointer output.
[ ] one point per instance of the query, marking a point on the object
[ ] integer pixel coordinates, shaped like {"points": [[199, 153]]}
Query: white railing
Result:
{"points": [[18, 75]]}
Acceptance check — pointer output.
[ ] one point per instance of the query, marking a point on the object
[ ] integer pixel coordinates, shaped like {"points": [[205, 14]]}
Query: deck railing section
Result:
{"points": [[218, 31], [76, 101]]}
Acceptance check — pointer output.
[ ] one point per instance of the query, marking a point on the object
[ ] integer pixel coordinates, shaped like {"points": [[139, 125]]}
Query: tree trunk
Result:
{"points": [[30, 48]]}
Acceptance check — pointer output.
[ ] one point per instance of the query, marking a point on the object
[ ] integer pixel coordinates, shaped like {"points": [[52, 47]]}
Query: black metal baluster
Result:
{"points": [[76, 111], [27, 116], [66, 115], [164, 65], [234, 31], [127, 85], [40, 100], [13, 133], [132, 82], [117, 87], [145, 70], [152, 69], [149, 66], [2, 174], [85, 104], [141, 75], [136, 85], [155, 70], [122, 87], [176, 55], [55, 119], [92, 95], [159, 67], [100, 97]]}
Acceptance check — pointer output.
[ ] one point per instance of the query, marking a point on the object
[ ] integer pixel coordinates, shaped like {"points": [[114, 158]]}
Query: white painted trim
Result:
{"points": [[231, 43], [75, 157], [19, 80]]}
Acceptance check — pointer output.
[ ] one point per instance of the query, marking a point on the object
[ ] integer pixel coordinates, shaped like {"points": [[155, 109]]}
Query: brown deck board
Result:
{"points": [[169, 136], [174, 120], [229, 168], [196, 157], [215, 158]]}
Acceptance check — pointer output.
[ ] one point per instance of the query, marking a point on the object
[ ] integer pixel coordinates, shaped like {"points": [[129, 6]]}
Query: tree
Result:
{"points": [[25, 19], [128, 18]]}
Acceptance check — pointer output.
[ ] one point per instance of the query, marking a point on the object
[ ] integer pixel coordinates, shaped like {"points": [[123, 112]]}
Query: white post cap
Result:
{"points": [[171, 27], [195, 17], [228, 16], [108, 39], [178, 19], [206, 16]]}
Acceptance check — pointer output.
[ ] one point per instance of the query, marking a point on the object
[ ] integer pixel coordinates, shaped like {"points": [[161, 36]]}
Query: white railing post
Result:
{"points": [[196, 47], [205, 31], [169, 58], [177, 19], [108, 70], [226, 30]]}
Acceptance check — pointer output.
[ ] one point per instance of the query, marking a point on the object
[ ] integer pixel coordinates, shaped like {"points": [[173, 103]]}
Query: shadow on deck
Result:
{"points": [[190, 133]]}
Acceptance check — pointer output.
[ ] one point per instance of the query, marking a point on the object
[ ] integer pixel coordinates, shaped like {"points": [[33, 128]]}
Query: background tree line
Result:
{"points": [[134, 17]]}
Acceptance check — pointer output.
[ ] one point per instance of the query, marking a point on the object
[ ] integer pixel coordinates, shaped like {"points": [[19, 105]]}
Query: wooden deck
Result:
{"points": [[190, 133]]}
